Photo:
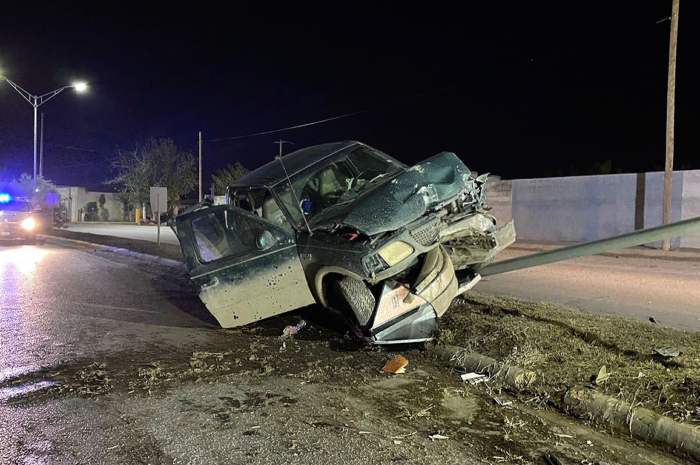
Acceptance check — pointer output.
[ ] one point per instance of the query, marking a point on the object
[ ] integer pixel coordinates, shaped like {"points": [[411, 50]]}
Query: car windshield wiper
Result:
{"points": [[328, 210]]}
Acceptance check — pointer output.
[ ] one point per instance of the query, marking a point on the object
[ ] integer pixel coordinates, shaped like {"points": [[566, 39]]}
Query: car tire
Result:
{"points": [[358, 297]]}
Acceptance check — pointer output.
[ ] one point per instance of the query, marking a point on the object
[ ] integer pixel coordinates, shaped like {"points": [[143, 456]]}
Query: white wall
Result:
{"points": [[77, 198], [585, 208]]}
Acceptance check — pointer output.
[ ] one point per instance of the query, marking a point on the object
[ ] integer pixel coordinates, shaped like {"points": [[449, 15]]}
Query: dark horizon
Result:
{"points": [[536, 90]]}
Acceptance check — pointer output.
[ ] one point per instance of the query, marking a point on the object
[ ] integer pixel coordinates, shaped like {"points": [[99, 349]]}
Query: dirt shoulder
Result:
{"points": [[169, 251], [569, 347]]}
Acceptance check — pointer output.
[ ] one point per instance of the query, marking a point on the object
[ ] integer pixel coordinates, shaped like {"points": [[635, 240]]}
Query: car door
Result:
{"points": [[244, 267]]}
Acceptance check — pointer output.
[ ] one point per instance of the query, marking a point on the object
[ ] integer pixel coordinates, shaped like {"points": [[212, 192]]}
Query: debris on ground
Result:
{"points": [[473, 378], [396, 365], [503, 401], [292, 330], [569, 347], [601, 377], [668, 352], [437, 437]]}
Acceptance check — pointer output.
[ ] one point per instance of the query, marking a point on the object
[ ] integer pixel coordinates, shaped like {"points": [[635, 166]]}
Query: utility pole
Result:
{"points": [[282, 142], [41, 148], [670, 111], [200, 166]]}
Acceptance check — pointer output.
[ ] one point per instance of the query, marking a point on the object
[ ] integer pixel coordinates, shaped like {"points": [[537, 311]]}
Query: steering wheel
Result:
{"points": [[354, 181]]}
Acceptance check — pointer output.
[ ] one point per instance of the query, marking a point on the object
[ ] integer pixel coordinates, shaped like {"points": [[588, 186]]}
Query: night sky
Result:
{"points": [[538, 89]]}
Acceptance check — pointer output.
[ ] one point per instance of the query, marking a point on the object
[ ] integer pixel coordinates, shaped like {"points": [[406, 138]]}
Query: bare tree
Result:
{"points": [[159, 162]]}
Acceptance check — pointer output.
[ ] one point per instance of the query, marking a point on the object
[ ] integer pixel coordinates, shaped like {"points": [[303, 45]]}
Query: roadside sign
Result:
{"points": [[52, 198], [159, 199]]}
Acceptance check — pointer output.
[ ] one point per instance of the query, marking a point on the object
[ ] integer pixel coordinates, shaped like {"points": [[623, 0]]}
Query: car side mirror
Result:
{"points": [[264, 240]]}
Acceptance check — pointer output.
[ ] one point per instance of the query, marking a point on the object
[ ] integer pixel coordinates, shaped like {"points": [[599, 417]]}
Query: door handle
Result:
{"points": [[210, 283]]}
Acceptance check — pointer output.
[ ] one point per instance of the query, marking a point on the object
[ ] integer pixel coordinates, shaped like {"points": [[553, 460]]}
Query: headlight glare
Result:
{"points": [[29, 223]]}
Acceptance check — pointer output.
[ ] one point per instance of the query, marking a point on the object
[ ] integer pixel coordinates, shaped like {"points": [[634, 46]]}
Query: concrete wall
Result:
{"points": [[585, 208]]}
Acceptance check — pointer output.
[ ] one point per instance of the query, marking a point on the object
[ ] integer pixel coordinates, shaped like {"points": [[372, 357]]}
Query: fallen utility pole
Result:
{"points": [[644, 236], [670, 111]]}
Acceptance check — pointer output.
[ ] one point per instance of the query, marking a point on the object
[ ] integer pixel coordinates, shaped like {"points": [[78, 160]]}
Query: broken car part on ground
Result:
{"points": [[347, 226]]}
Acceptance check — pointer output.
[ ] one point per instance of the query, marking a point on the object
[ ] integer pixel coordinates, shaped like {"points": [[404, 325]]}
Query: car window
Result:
{"points": [[16, 206], [334, 180], [224, 233]]}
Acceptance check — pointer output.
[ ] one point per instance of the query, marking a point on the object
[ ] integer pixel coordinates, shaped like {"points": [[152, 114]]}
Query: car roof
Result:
{"points": [[273, 172]]}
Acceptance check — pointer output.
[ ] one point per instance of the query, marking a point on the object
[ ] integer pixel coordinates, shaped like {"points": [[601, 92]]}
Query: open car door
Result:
{"points": [[244, 267]]}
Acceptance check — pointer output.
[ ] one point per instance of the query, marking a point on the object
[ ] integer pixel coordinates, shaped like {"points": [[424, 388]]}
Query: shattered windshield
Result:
{"points": [[335, 181]]}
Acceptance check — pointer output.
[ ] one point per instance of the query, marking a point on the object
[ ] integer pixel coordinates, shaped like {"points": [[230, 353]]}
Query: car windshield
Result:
{"points": [[335, 181], [16, 206]]}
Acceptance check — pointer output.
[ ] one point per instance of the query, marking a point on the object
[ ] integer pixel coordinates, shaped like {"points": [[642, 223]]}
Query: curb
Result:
{"points": [[152, 259], [582, 402]]}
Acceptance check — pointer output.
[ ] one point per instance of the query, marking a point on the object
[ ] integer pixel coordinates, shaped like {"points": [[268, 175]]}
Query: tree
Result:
{"points": [[158, 162], [24, 187], [225, 177]]}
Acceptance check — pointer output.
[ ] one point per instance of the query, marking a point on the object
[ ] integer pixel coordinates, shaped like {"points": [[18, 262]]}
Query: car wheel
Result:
{"points": [[358, 297]]}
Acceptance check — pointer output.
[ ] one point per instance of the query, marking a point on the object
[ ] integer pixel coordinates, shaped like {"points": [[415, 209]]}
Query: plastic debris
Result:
{"points": [[503, 401], [292, 330], [437, 437], [667, 352], [396, 365], [602, 376], [473, 378], [283, 347]]}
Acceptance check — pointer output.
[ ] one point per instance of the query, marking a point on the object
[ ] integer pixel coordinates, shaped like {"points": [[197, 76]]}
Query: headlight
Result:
{"points": [[395, 252], [29, 223]]}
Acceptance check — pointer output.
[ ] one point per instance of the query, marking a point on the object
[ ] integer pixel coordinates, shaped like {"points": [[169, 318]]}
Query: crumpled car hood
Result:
{"points": [[407, 197]]}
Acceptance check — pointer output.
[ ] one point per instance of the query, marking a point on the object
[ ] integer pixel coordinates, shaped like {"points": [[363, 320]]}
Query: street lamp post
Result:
{"points": [[37, 100]]}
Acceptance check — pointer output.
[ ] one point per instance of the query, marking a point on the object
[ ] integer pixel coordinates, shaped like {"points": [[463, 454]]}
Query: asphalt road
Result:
{"points": [[635, 287], [129, 231]]}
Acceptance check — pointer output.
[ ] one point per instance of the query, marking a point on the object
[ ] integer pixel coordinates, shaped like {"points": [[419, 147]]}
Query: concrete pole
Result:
{"points": [[670, 111], [41, 147], [200, 166]]}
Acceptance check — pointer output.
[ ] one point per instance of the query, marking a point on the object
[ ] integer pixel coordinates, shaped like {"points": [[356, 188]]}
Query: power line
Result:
{"points": [[378, 107], [414, 97]]}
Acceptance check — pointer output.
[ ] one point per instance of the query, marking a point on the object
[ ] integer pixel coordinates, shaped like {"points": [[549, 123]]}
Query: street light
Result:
{"points": [[37, 100]]}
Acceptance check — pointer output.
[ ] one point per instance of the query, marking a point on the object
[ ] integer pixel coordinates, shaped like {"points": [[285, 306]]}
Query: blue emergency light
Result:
{"points": [[5, 198]]}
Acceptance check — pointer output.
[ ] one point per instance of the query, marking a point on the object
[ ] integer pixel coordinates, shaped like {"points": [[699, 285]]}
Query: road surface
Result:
{"points": [[635, 287], [108, 359], [129, 231]]}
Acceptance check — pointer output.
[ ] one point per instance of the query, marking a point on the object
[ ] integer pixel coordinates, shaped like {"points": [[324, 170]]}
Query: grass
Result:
{"points": [[567, 347]]}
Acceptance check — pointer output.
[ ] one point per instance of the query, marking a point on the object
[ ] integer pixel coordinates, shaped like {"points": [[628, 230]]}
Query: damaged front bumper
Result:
{"points": [[408, 313]]}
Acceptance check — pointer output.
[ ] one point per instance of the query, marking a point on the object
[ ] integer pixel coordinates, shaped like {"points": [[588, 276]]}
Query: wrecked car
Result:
{"points": [[348, 227]]}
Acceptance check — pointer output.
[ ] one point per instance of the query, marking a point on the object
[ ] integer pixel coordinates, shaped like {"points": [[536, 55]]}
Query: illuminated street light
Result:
{"points": [[37, 100], [80, 86]]}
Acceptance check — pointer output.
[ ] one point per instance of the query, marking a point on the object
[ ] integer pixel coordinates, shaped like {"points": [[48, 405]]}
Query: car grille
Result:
{"points": [[426, 234]]}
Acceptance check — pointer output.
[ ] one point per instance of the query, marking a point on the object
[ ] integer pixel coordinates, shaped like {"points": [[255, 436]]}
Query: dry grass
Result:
{"points": [[568, 347]]}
